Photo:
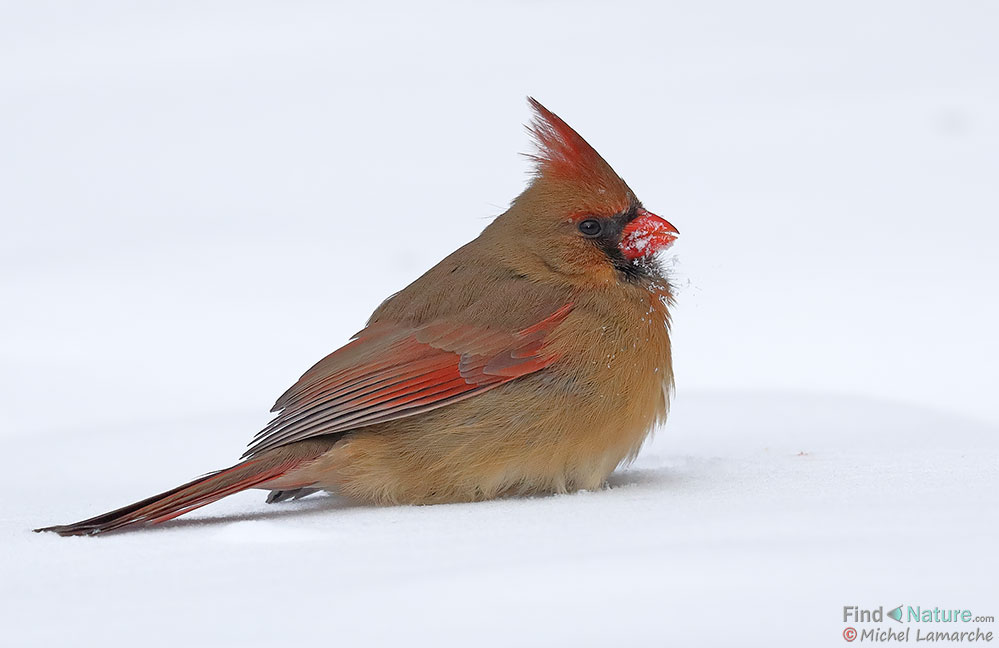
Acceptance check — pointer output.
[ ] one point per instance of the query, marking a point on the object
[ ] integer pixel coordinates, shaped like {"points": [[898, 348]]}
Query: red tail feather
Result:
{"points": [[185, 498]]}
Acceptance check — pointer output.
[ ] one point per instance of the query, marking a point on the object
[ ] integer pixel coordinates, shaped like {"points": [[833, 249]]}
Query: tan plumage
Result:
{"points": [[534, 359]]}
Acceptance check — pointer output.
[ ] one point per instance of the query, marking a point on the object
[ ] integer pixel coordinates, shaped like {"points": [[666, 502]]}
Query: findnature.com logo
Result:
{"points": [[915, 615]]}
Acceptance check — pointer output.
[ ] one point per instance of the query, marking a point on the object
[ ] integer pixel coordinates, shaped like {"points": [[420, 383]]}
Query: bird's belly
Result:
{"points": [[511, 440]]}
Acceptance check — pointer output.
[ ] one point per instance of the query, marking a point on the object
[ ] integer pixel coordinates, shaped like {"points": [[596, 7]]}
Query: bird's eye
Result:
{"points": [[590, 227]]}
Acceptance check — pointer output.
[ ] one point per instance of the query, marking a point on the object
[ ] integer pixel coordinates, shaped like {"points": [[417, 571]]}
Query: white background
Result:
{"points": [[199, 200]]}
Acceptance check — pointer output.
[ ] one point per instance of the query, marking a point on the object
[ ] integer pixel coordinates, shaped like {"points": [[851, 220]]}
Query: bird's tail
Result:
{"points": [[194, 494]]}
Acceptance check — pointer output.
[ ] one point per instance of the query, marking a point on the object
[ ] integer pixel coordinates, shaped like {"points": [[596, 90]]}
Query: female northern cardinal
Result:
{"points": [[534, 359]]}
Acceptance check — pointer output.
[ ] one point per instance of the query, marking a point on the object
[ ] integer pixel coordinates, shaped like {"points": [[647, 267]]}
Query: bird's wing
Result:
{"points": [[390, 371]]}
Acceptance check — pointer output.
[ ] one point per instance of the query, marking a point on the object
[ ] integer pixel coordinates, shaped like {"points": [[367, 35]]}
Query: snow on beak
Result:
{"points": [[646, 235]]}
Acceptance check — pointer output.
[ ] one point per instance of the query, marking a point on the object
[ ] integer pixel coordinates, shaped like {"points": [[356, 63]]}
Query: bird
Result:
{"points": [[535, 359]]}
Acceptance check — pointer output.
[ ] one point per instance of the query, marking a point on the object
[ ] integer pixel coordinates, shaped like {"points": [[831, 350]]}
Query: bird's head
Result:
{"points": [[578, 217]]}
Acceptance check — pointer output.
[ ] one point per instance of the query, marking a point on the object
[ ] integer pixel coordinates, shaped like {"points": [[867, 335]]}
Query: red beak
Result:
{"points": [[646, 235]]}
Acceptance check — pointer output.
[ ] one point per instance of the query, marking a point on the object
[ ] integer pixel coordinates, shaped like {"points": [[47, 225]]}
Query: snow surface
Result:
{"points": [[200, 200]]}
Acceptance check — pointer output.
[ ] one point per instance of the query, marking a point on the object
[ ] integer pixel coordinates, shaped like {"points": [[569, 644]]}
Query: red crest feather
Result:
{"points": [[563, 154]]}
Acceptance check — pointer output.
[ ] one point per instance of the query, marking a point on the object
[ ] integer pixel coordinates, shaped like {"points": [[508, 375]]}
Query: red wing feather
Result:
{"points": [[389, 372]]}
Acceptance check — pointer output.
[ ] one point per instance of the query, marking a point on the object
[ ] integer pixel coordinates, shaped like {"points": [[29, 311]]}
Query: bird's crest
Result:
{"points": [[563, 155]]}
